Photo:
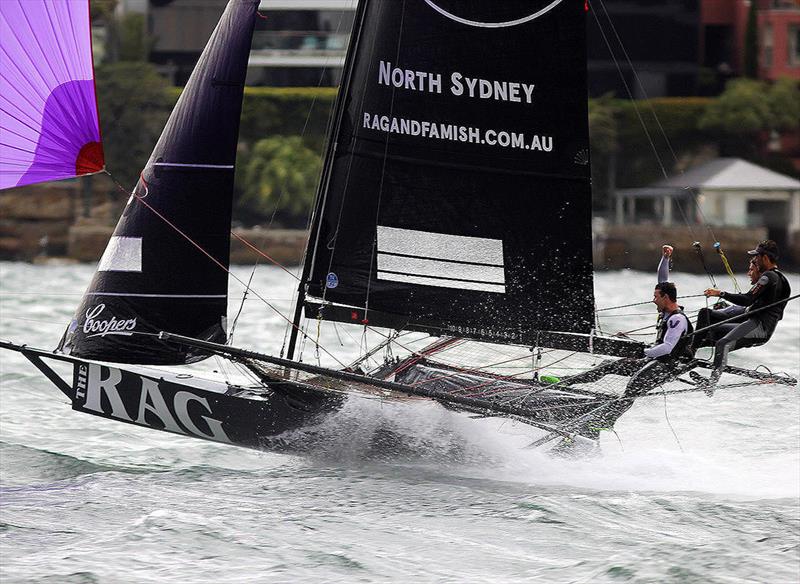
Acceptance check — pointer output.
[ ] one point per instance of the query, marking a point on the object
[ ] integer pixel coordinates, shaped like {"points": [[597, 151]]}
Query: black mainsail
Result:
{"points": [[163, 267], [456, 191]]}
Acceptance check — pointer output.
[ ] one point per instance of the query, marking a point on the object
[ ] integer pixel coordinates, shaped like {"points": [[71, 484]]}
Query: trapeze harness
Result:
{"points": [[681, 350]]}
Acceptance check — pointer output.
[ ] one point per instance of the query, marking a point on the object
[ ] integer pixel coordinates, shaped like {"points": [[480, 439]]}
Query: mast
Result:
{"points": [[322, 189]]}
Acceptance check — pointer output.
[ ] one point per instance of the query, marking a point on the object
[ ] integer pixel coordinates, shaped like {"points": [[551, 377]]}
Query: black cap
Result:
{"points": [[768, 248]]}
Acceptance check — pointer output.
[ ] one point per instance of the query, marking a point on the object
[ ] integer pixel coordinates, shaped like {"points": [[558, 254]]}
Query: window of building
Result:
{"points": [[794, 45], [768, 46]]}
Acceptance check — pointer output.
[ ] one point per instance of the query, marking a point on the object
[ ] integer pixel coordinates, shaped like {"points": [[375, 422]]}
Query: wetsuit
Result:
{"points": [[659, 363], [750, 330]]}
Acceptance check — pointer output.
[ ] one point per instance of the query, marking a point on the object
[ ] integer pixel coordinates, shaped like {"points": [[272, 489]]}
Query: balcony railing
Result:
{"points": [[308, 42]]}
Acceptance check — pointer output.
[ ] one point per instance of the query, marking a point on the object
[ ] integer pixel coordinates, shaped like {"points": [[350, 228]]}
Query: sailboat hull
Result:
{"points": [[181, 402], [275, 414]]}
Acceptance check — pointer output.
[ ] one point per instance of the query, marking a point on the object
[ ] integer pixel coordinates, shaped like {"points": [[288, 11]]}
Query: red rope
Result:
{"points": [[436, 347], [264, 255], [140, 198]]}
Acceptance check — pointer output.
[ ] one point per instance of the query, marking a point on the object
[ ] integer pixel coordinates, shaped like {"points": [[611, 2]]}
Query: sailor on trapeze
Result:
{"points": [[671, 349], [769, 286]]}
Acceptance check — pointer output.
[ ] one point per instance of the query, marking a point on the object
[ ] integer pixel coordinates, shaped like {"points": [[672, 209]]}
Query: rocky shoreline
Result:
{"points": [[68, 222]]}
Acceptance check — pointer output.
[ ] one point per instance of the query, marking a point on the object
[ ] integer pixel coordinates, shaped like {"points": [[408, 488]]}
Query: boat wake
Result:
{"points": [[374, 430], [644, 458]]}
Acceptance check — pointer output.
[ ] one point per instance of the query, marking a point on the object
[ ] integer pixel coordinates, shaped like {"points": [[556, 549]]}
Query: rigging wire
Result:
{"points": [[642, 303], [669, 423], [699, 250], [323, 71], [664, 136], [241, 305], [264, 255]]}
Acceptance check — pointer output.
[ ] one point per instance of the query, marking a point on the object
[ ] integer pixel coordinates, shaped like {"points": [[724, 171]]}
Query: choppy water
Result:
{"points": [[90, 500]]}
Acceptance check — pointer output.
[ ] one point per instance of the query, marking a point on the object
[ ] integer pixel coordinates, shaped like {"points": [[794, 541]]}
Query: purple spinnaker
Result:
{"points": [[49, 127]]}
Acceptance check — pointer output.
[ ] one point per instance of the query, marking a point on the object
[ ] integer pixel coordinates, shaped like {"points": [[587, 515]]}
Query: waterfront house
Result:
{"points": [[732, 196]]}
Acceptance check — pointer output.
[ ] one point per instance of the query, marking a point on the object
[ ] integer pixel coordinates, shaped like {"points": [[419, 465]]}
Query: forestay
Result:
{"points": [[456, 192]]}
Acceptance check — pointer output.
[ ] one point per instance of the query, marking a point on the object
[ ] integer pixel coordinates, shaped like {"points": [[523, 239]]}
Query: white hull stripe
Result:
{"points": [[186, 165], [126, 295], [122, 254], [439, 259]]}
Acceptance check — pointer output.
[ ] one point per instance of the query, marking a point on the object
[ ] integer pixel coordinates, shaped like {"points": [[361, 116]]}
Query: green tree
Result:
{"points": [[603, 130], [279, 175], [751, 42], [102, 10], [132, 99], [604, 138], [742, 110], [784, 104], [134, 41], [747, 112]]}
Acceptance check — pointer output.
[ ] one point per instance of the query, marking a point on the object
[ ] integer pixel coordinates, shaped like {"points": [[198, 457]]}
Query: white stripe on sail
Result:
{"points": [[440, 246], [439, 259], [127, 295], [187, 165], [440, 268], [479, 286], [123, 254]]}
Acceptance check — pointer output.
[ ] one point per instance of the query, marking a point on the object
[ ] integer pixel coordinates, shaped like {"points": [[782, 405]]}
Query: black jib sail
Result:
{"points": [[163, 269], [456, 192]]}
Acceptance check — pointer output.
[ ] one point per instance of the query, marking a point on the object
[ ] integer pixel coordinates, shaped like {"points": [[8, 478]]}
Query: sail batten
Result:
{"points": [[458, 195]]}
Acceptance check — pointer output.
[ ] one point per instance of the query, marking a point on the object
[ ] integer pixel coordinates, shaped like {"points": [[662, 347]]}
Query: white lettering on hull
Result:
{"points": [[182, 399], [92, 385], [96, 387], [158, 408]]}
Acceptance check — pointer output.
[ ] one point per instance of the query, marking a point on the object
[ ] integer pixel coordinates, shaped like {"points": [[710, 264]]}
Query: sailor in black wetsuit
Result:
{"points": [[709, 316], [771, 286]]}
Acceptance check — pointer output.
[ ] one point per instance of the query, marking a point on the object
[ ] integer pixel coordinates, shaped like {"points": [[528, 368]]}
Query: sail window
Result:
{"points": [[123, 254], [439, 259]]}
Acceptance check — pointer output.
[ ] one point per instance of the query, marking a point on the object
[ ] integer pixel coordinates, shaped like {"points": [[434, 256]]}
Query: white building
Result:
{"points": [[296, 43], [728, 192], [301, 42]]}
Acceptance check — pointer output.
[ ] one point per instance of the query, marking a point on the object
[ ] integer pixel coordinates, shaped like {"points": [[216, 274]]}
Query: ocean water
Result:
{"points": [[688, 489]]}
